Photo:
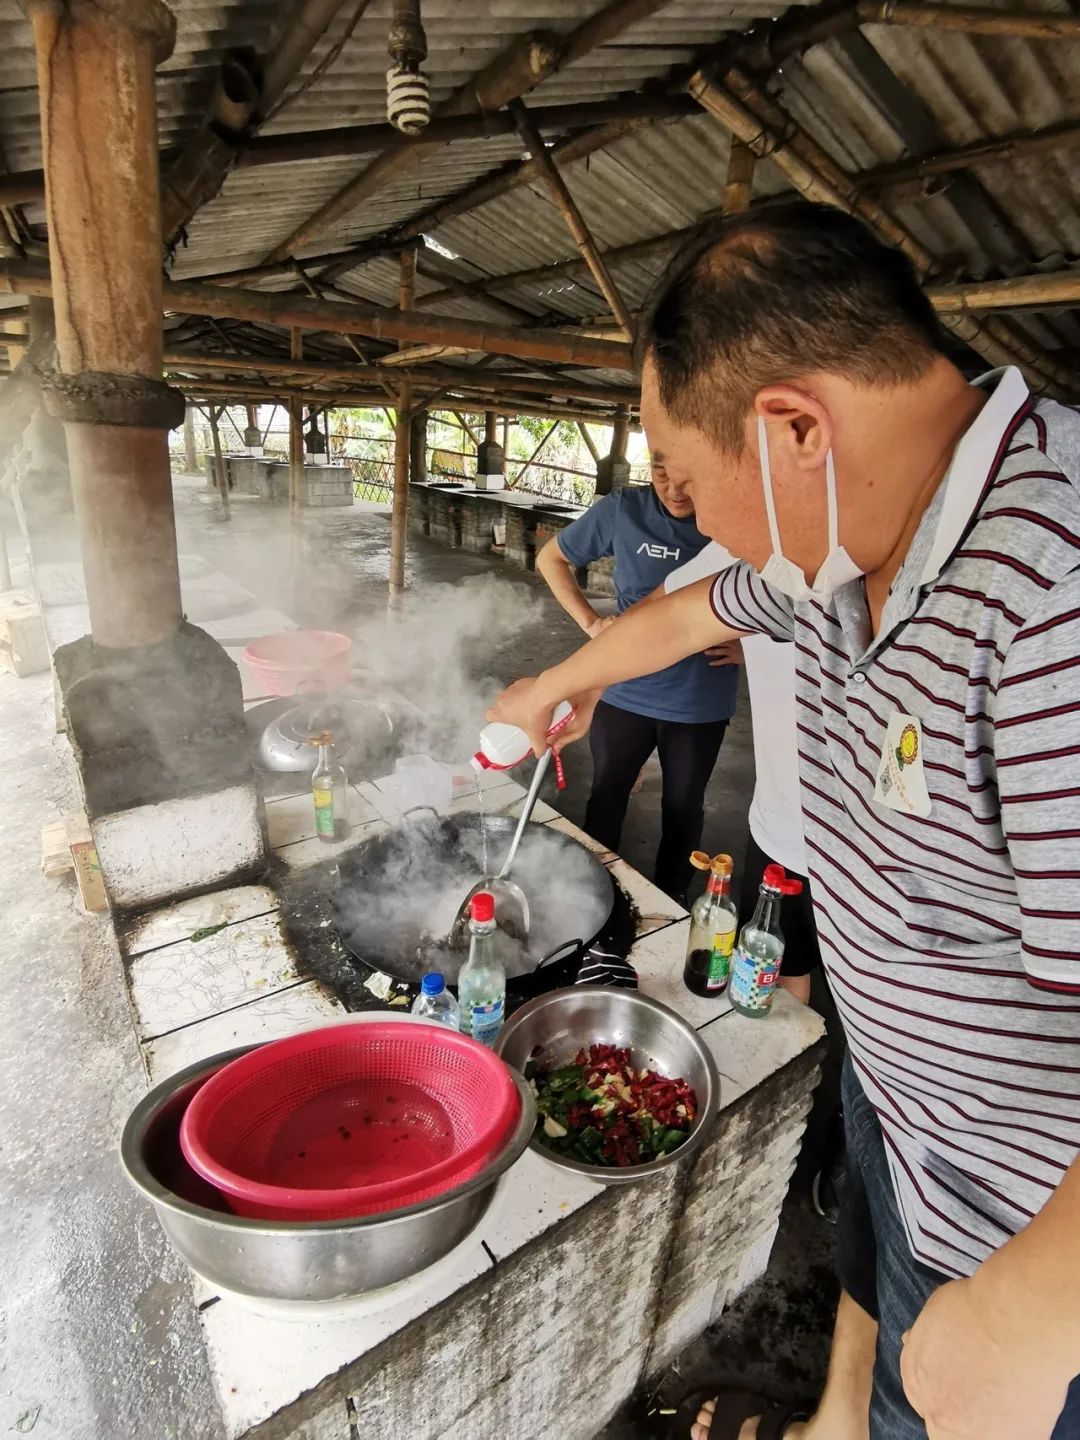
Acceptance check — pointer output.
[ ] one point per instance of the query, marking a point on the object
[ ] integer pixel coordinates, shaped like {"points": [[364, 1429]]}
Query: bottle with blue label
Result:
{"points": [[482, 982], [755, 972]]}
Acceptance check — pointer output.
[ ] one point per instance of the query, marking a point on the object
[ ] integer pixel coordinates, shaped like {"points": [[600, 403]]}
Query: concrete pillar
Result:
{"points": [[154, 706], [99, 140], [612, 470], [490, 456]]}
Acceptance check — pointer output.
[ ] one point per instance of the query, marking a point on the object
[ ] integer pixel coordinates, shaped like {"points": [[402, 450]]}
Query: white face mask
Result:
{"points": [[784, 575]]}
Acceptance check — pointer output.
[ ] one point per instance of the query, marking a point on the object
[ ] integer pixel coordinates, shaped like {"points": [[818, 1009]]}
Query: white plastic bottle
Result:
{"points": [[482, 982], [435, 1003], [504, 746]]}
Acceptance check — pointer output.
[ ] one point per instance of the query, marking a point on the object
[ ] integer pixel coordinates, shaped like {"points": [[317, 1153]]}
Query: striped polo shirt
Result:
{"points": [[949, 919]]}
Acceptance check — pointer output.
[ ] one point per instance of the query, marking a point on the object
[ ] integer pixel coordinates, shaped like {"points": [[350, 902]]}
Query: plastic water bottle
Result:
{"points": [[435, 1003], [482, 982], [756, 971], [504, 746]]}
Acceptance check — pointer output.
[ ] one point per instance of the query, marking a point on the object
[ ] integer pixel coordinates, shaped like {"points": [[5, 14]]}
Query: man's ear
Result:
{"points": [[800, 427]]}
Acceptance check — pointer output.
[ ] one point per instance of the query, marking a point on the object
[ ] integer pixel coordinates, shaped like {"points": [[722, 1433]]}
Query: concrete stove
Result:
{"points": [[514, 1318]]}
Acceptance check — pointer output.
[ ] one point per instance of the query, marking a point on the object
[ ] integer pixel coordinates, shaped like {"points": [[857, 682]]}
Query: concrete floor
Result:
{"points": [[92, 1343]]}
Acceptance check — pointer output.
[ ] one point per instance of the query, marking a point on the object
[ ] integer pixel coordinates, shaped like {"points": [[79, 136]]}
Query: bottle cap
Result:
{"points": [[432, 983], [722, 864], [700, 860], [776, 878], [480, 761], [482, 907]]}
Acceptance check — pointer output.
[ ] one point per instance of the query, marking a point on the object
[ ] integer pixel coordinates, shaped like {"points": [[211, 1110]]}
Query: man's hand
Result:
{"points": [[524, 705], [521, 704], [729, 654], [599, 625], [975, 1367]]}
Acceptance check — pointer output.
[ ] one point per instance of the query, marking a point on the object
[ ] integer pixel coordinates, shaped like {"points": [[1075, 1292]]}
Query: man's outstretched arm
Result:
{"points": [[645, 639]]}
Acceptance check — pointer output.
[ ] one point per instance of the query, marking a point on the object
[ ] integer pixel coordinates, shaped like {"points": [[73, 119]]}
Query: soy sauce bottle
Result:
{"points": [[713, 922]]}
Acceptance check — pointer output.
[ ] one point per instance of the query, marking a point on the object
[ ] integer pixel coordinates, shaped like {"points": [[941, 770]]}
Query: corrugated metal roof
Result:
{"points": [[872, 97]]}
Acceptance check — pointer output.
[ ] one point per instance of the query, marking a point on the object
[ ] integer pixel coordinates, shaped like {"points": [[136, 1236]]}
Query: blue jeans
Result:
{"points": [[879, 1272]]}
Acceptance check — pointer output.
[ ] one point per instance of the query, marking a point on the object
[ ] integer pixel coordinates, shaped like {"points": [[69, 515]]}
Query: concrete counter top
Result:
{"points": [[658, 1260]]}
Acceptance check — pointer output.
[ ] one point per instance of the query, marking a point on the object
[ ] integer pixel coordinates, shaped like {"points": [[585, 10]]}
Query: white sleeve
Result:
{"points": [[710, 561]]}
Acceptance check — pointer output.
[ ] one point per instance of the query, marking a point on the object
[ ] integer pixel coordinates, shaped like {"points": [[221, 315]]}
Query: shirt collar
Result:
{"points": [[954, 503], [973, 461]]}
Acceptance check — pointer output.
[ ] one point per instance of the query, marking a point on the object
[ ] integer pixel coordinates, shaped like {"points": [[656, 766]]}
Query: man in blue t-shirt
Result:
{"points": [[681, 712]]}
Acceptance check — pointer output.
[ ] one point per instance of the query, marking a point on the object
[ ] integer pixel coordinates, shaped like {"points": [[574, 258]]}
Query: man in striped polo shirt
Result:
{"points": [[918, 539]]}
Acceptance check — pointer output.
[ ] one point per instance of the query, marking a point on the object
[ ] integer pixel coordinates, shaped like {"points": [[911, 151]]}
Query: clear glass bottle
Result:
{"points": [[482, 982], [713, 922], [330, 790], [756, 969], [435, 1003]]}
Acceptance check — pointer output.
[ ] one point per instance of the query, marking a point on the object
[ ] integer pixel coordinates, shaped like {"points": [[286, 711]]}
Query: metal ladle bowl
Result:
{"points": [[511, 902]]}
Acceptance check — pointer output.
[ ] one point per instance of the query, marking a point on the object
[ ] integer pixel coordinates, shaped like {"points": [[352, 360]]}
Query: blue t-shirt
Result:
{"points": [[648, 543]]}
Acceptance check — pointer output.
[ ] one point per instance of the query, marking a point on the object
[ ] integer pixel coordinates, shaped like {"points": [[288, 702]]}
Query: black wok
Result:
{"points": [[399, 892]]}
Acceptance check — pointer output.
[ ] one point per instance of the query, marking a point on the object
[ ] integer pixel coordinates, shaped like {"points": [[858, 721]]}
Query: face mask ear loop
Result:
{"points": [[830, 493], [766, 479]]}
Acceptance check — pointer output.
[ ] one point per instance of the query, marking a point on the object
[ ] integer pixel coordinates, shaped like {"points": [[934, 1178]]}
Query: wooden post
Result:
{"points": [[296, 436], [590, 443], [95, 69], [326, 431], [418, 472], [191, 458], [399, 519], [572, 215], [219, 462]]}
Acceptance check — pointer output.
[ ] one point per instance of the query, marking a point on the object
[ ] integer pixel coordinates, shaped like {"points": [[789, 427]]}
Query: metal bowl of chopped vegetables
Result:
{"points": [[624, 1087]]}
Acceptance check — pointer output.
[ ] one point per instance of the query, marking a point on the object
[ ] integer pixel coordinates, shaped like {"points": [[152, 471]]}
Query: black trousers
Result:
{"points": [[621, 743]]}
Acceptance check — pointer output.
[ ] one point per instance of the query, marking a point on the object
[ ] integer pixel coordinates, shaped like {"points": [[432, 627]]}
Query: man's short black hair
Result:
{"points": [[773, 295]]}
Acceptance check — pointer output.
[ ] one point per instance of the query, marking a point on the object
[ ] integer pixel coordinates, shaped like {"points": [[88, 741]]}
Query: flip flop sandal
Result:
{"points": [[733, 1409]]}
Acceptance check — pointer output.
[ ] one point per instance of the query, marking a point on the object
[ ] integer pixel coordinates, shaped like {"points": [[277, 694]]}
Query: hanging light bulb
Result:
{"points": [[408, 95]]}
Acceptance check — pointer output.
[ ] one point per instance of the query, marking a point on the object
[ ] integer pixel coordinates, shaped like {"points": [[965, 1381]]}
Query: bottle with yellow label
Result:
{"points": [[330, 789], [713, 922]]}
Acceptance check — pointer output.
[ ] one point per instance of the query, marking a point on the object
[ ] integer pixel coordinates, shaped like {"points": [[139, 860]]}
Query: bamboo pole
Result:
{"points": [[739, 185], [971, 19], [575, 222], [399, 518], [466, 427], [590, 443], [191, 458], [769, 130], [518, 69], [239, 391], [1014, 146], [1018, 292], [219, 462], [468, 377], [513, 484]]}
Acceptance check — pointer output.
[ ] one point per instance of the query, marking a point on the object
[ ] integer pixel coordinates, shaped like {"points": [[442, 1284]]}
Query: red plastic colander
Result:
{"points": [[350, 1120]]}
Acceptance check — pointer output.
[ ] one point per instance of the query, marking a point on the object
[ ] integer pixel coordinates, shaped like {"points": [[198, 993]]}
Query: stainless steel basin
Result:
{"points": [[554, 1027], [313, 1261]]}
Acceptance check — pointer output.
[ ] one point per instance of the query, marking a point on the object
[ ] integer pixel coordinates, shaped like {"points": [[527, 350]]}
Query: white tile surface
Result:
{"points": [[292, 817], [284, 1013], [193, 980], [179, 921], [536, 1196], [310, 852], [747, 1052], [659, 958], [655, 909], [260, 1364], [602, 853]]}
